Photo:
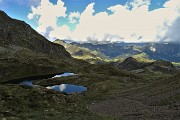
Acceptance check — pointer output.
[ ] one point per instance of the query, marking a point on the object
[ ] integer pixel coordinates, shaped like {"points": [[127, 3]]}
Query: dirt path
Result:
{"points": [[128, 109]]}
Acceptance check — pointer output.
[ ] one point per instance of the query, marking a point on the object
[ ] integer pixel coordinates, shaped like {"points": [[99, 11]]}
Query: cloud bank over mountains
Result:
{"points": [[133, 22]]}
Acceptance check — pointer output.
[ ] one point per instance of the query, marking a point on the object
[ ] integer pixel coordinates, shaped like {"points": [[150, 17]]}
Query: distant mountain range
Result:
{"points": [[120, 51]]}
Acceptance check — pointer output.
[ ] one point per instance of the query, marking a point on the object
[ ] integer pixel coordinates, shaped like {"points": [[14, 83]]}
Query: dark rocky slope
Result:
{"points": [[136, 66], [16, 35], [24, 52], [132, 64]]}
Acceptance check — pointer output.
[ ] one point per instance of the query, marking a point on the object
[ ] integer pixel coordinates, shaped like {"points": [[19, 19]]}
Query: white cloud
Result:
{"points": [[173, 4], [130, 23], [47, 14], [138, 3], [62, 32], [98, 27], [135, 25], [47, 33], [73, 16], [62, 87]]}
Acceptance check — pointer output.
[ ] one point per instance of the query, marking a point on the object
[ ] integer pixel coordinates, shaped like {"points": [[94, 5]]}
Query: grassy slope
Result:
{"points": [[163, 91], [22, 63], [18, 102], [83, 53]]}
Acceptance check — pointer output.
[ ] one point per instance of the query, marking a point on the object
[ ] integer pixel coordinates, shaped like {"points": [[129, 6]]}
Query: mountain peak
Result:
{"points": [[130, 59], [131, 63], [3, 16], [2, 13]]}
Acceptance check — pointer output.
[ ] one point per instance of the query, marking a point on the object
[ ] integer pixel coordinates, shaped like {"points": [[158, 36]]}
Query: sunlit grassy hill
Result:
{"points": [[92, 56]]}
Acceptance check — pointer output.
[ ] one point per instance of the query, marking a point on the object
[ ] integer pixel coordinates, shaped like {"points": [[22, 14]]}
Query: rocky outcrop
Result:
{"points": [[135, 66], [132, 64], [165, 67]]}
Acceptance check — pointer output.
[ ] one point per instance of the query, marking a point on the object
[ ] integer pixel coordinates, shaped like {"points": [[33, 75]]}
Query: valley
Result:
{"points": [[107, 52]]}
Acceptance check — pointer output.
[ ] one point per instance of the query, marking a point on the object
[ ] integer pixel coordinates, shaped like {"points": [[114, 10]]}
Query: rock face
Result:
{"points": [[132, 64], [163, 66], [24, 52], [135, 66], [17, 34]]}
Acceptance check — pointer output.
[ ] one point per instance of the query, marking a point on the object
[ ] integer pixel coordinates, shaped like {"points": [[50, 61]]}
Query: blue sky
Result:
{"points": [[20, 9]]}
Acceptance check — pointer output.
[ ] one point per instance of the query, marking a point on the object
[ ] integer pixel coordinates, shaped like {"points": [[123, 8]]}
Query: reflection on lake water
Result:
{"points": [[27, 83], [64, 75], [68, 88]]}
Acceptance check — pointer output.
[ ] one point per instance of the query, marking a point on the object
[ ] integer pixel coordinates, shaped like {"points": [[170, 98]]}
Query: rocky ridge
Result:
{"points": [[131, 64]]}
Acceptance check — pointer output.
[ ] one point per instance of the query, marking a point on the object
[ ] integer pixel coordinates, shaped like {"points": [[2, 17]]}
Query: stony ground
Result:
{"points": [[157, 101], [134, 110]]}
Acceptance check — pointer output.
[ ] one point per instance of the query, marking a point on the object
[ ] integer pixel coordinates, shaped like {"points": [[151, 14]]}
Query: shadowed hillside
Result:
{"points": [[24, 52]]}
